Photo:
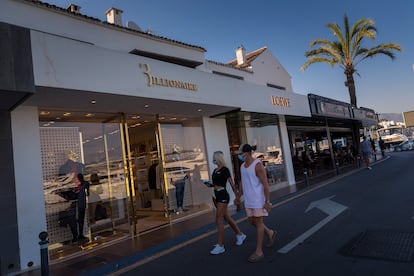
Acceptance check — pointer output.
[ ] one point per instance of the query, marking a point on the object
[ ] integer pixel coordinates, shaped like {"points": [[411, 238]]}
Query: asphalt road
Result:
{"points": [[312, 240]]}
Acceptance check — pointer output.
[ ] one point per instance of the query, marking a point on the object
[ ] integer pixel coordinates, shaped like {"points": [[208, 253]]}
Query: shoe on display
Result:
{"points": [[217, 250], [240, 239]]}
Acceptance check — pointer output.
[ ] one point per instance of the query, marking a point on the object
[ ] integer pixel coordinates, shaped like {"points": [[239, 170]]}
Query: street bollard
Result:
{"points": [[306, 178], [44, 254], [337, 168]]}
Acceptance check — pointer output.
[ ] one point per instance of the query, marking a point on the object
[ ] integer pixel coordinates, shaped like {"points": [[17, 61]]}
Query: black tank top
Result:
{"points": [[220, 176]]}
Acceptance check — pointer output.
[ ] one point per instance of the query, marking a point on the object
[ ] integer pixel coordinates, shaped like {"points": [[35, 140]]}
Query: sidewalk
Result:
{"points": [[122, 253]]}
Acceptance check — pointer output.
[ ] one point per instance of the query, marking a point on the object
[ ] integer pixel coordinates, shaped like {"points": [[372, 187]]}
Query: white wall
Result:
{"points": [[119, 73], [267, 69], [215, 133], [31, 214]]}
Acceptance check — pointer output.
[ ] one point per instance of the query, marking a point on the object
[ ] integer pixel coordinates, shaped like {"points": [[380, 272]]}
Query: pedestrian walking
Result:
{"points": [[366, 151], [255, 188], [221, 175], [373, 148], [381, 144]]}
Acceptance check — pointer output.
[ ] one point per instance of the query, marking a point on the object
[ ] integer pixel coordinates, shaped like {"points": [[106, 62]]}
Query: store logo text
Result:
{"points": [[152, 80], [280, 101]]}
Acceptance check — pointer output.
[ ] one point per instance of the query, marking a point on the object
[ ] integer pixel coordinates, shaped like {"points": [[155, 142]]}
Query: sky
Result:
{"points": [[286, 27]]}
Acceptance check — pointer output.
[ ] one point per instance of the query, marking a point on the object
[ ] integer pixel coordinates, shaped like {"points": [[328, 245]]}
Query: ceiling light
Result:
{"points": [[146, 106], [66, 114], [89, 115], [44, 112], [136, 117], [173, 119], [93, 102], [199, 110]]}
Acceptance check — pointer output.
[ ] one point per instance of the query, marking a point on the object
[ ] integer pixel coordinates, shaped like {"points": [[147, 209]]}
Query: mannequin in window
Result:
{"points": [[152, 176], [82, 194], [179, 183]]}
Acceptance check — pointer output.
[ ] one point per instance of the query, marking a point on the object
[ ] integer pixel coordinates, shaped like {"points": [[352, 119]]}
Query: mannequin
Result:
{"points": [[82, 194], [76, 193], [179, 183]]}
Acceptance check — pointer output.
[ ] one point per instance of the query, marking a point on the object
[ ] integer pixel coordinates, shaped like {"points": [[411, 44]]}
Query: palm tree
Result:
{"points": [[347, 50]]}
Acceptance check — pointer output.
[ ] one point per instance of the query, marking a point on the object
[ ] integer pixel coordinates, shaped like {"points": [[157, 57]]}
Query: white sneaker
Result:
{"points": [[369, 168], [217, 250], [240, 239]]}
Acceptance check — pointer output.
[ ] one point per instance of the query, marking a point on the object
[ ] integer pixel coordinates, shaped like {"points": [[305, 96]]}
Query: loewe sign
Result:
{"points": [[153, 80], [280, 101]]}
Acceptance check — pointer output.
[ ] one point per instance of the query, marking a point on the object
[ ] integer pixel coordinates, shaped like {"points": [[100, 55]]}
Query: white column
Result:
{"points": [[215, 133], [287, 155], [31, 214]]}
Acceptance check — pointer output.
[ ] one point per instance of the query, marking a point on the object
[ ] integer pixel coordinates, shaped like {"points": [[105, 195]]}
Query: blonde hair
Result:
{"points": [[219, 157]]}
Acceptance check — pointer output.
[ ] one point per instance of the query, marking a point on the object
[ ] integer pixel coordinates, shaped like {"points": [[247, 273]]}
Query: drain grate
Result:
{"points": [[386, 245]]}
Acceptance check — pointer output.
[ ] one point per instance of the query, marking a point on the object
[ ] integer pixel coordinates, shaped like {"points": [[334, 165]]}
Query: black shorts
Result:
{"points": [[222, 196]]}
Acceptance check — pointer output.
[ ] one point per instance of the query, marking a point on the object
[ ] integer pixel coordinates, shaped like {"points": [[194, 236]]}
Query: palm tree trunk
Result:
{"points": [[351, 89]]}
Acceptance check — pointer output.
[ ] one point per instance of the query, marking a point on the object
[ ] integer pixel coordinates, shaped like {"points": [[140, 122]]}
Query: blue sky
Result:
{"points": [[286, 27]]}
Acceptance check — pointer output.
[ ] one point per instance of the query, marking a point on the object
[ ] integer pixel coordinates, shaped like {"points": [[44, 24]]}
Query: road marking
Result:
{"points": [[327, 206]]}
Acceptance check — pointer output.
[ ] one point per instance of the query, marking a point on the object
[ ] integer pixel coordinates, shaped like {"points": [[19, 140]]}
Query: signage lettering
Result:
{"points": [[332, 109], [152, 80], [280, 101]]}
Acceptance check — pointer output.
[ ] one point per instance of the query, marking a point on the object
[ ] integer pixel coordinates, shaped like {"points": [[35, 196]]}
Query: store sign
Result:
{"points": [[280, 101], [157, 81], [364, 114], [336, 110], [367, 117]]}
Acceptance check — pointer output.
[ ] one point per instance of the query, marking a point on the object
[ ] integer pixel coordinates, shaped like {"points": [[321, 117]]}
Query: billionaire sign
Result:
{"points": [[153, 80]]}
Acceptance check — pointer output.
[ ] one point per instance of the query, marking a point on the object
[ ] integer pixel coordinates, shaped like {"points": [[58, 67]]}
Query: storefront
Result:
{"points": [[139, 119], [329, 140], [143, 173]]}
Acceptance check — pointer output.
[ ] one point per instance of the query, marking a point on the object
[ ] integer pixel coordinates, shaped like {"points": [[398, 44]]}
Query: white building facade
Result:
{"points": [[138, 115]]}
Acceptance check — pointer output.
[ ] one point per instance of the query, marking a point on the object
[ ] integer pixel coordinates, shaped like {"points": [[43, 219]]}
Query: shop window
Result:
{"points": [[262, 131], [94, 150], [185, 167]]}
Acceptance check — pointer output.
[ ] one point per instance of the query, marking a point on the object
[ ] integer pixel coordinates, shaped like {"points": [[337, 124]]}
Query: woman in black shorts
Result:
{"points": [[221, 175]]}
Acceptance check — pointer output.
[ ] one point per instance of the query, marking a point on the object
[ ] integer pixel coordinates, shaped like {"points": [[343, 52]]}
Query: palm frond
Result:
{"points": [[317, 59]]}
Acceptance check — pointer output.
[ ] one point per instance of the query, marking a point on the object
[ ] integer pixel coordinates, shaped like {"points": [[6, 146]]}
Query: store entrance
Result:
{"points": [[117, 154], [134, 165], [148, 208]]}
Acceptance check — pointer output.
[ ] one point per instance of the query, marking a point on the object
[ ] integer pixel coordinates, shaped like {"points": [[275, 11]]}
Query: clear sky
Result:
{"points": [[286, 27]]}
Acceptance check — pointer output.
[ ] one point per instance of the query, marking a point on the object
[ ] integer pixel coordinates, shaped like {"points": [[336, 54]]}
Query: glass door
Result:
{"points": [[109, 192], [147, 178]]}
